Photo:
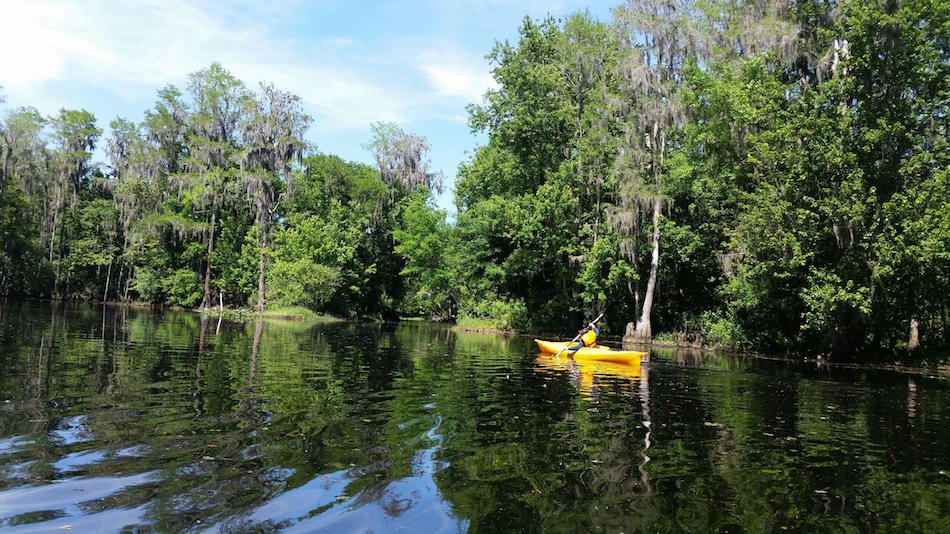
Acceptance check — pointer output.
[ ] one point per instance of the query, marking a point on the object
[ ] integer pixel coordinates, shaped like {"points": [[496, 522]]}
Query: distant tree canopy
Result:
{"points": [[767, 175]]}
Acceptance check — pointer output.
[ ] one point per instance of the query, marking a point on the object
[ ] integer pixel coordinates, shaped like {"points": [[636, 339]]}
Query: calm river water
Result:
{"points": [[127, 420]]}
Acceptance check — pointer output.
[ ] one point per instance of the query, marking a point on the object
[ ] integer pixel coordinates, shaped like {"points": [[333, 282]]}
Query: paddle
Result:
{"points": [[571, 342]]}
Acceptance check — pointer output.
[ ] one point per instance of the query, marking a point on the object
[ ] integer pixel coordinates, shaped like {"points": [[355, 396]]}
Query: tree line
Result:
{"points": [[764, 174], [214, 198]]}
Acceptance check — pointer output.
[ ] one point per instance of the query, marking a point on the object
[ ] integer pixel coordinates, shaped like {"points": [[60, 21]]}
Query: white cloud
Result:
{"points": [[38, 48], [339, 99], [131, 48], [466, 79]]}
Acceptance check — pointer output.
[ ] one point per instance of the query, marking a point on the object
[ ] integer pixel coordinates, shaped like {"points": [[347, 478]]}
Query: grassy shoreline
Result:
{"points": [[477, 325], [288, 313]]}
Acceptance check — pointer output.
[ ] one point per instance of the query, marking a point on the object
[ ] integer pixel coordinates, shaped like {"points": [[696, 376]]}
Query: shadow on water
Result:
{"points": [[122, 418]]}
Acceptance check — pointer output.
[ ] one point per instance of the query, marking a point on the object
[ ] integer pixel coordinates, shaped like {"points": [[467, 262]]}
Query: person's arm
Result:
{"points": [[580, 341]]}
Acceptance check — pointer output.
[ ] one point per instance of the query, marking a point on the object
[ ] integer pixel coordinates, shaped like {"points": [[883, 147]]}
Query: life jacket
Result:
{"points": [[590, 338]]}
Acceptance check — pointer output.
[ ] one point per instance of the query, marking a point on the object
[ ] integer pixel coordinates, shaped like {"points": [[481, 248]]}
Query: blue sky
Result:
{"points": [[417, 63]]}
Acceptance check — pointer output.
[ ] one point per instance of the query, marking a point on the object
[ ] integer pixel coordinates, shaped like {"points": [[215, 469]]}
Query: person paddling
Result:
{"points": [[588, 337]]}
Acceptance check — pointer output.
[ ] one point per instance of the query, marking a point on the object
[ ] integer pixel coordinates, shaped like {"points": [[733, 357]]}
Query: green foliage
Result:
{"points": [[325, 247], [497, 314], [183, 287], [423, 240], [301, 282], [341, 221], [722, 331], [605, 275], [21, 249], [527, 116], [149, 285]]}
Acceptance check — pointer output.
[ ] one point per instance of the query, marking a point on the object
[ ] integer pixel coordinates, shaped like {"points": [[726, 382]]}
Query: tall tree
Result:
{"points": [[590, 51], [273, 137], [401, 158], [76, 133], [23, 141], [404, 167], [137, 182], [220, 102], [165, 127], [25, 166], [423, 240], [898, 89], [655, 34]]}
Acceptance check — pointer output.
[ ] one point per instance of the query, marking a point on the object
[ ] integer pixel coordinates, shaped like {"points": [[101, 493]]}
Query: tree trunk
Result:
{"points": [[105, 294], [121, 278], [260, 274], [59, 262], [52, 238], [52, 244], [69, 284], [206, 299], [914, 341], [597, 214], [118, 281], [128, 280], [946, 323], [642, 332], [74, 181]]}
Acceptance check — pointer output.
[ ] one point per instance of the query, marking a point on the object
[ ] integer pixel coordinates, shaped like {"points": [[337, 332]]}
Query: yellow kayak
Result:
{"points": [[603, 354]]}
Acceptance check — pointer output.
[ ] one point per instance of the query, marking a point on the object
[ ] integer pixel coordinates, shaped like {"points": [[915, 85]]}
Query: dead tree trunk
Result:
{"points": [[128, 280], [914, 341], [642, 331], [118, 281], [59, 263]]}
